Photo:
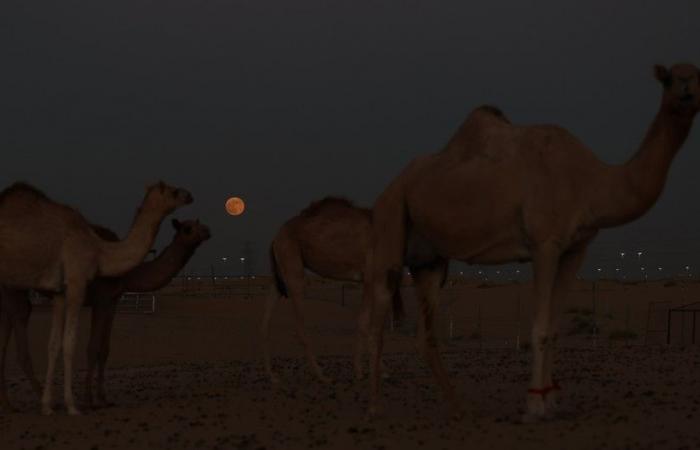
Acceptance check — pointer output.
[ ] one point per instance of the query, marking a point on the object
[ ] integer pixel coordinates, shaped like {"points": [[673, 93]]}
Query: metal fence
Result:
{"points": [[137, 302]]}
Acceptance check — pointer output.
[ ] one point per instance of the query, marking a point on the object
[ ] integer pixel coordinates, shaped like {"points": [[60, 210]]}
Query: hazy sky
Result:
{"points": [[283, 102]]}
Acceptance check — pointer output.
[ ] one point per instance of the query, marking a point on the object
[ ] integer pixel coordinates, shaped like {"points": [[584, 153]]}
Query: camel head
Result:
{"points": [[681, 88], [166, 198], [190, 233]]}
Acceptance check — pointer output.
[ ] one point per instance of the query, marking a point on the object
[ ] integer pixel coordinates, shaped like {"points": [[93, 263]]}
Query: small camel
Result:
{"points": [[500, 192], [103, 295], [52, 248], [331, 238]]}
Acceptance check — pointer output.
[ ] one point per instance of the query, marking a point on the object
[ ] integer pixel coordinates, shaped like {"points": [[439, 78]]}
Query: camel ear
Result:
{"points": [[161, 186], [176, 224], [662, 74]]}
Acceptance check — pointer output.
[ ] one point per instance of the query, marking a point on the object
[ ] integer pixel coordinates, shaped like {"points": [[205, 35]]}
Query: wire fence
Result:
{"points": [[487, 314]]}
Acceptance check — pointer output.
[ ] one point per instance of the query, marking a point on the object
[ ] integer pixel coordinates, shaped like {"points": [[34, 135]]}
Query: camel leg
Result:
{"points": [[16, 310], [104, 354], [569, 265], [428, 288], [5, 332], [270, 303], [381, 292], [362, 341], [296, 293], [362, 337], [74, 301], [97, 325], [55, 342], [20, 319], [545, 265]]}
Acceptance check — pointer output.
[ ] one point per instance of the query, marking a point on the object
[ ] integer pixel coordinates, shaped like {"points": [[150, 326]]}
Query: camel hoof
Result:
{"points": [[529, 418], [274, 378], [73, 411], [457, 412], [47, 411], [552, 404], [374, 411], [102, 402], [536, 405]]}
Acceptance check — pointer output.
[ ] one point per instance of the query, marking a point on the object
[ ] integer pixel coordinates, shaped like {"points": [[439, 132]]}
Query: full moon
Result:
{"points": [[235, 206]]}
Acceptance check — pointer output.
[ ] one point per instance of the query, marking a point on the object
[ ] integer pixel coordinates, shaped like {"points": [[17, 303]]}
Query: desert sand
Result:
{"points": [[190, 374]]}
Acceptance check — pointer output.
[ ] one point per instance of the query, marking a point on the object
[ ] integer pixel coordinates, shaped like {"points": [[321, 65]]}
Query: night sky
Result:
{"points": [[283, 102]]}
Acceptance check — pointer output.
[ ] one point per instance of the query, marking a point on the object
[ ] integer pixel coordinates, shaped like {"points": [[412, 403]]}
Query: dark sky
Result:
{"points": [[282, 102]]}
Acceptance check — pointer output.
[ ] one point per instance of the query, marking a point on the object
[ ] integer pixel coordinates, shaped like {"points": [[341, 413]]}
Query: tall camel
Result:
{"points": [[103, 294], [330, 238], [50, 247], [499, 193]]}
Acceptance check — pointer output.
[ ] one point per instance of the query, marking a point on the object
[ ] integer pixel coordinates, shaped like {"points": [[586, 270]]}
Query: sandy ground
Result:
{"points": [[190, 376]]}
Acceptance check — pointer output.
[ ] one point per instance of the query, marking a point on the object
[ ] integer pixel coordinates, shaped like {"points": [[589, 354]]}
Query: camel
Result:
{"points": [[330, 238], [50, 247], [499, 193], [103, 295]]}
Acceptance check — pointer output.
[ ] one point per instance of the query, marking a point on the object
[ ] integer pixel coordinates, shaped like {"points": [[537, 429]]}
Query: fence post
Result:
{"points": [[595, 310], [517, 324], [452, 325], [478, 327]]}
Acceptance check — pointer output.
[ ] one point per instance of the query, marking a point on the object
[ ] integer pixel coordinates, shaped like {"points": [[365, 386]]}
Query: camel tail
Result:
{"points": [[276, 275]]}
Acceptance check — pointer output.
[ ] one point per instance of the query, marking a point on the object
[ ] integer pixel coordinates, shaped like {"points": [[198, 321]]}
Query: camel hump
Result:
{"points": [[105, 233], [493, 111], [319, 206], [21, 187], [477, 129]]}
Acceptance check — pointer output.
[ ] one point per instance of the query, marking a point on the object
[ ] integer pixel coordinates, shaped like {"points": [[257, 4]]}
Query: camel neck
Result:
{"points": [[144, 228], [635, 186], [117, 258], [153, 275]]}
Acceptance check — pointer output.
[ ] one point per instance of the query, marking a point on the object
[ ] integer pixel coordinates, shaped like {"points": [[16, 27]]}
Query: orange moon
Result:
{"points": [[235, 206]]}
